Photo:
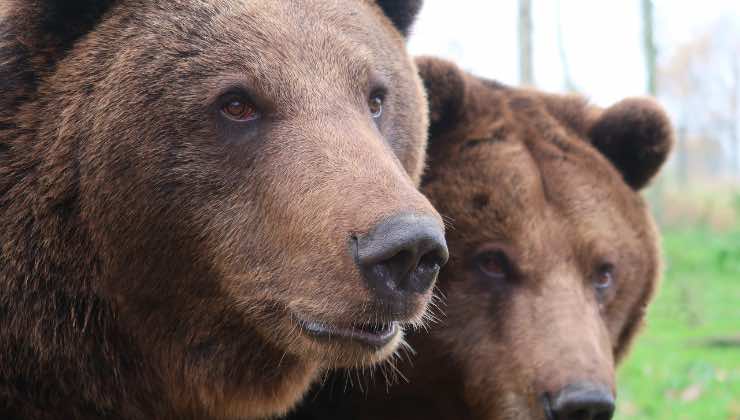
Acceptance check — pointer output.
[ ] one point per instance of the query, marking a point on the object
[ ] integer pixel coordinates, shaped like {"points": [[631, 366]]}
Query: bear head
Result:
{"points": [[553, 253], [223, 191]]}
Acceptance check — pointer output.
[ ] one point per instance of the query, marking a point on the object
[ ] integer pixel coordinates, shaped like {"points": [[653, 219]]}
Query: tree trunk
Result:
{"points": [[651, 52], [682, 165], [734, 116], [526, 73], [567, 79]]}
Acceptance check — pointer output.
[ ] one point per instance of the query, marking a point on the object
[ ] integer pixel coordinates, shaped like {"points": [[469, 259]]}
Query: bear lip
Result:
{"points": [[372, 335]]}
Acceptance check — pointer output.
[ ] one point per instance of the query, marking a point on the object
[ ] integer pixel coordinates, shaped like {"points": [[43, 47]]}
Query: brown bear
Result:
{"points": [[205, 203], [553, 256]]}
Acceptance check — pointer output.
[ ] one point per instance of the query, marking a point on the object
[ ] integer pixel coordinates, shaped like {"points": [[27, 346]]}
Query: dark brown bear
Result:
{"points": [[205, 203], [553, 255]]}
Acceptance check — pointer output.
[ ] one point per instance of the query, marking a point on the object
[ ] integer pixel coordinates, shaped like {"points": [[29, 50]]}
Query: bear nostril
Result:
{"points": [[580, 415], [435, 257], [402, 255], [425, 272], [582, 401], [399, 265]]}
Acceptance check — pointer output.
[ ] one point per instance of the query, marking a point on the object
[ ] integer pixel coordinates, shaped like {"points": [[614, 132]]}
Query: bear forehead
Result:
{"points": [[303, 59], [269, 23], [270, 37], [507, 185], [521, 172], [536, 162]]}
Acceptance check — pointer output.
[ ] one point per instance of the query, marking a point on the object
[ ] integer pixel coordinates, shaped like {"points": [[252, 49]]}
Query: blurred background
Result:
{"points": [[686, 364]]}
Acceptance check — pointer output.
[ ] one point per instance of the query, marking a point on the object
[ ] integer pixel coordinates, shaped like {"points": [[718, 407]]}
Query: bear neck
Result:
{"points": [[60, 344]]}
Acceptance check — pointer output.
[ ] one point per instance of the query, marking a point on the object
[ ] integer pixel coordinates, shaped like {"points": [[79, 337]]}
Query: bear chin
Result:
{"points": [[246, 404]]}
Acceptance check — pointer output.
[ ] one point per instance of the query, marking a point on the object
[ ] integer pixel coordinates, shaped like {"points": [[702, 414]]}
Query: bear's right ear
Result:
{"points": [[401, 12], [54, 25], [444, 83]]}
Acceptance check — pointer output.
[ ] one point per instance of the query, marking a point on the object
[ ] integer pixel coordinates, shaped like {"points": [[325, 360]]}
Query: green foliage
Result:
{"points": [[686, 363]]}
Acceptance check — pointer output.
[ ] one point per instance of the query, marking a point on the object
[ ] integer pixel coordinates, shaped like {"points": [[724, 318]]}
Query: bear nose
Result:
{"points": [[582, 401], [402, 255]]}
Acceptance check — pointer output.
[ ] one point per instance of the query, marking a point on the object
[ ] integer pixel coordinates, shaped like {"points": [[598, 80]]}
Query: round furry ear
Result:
{"points": [[401, 12], [636, 136], [55, 24], [444, 83]]}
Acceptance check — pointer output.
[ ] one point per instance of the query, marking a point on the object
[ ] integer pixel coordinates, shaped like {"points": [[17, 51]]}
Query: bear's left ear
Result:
{"points": [[401, 12], [53, 26], [636, 136]]}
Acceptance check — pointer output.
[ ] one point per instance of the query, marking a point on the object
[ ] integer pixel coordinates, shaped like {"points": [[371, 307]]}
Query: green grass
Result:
{"points": [[673, 371]]}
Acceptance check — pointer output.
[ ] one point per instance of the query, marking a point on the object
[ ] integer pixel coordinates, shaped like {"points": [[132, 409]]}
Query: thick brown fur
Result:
{"points": [[154, 254], [551, 183]]}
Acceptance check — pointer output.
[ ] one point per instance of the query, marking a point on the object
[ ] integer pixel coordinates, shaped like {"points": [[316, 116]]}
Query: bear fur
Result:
{"points": [[554, 256], [153, 251]]}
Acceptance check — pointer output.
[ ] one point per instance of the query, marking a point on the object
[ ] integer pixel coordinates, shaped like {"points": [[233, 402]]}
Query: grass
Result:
{"points": [[678, 369]]}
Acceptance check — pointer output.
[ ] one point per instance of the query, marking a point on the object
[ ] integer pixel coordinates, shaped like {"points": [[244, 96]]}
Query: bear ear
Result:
{"points": [[636, 136], [444, 83], [55, 24], [401, 12]]}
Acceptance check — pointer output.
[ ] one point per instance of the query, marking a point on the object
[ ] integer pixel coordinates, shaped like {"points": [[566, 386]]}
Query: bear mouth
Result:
{"points": [[375, 336]]}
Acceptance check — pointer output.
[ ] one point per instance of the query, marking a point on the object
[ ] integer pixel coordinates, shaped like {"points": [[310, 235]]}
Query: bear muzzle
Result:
{"points": [[399, 260], [580, 401]]}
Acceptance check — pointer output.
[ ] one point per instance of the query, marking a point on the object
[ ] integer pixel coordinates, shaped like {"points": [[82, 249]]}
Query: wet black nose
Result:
{"points": [[402, 255], [582, 401]]}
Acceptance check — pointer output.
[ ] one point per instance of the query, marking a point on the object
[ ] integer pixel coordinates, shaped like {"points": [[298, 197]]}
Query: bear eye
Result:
{"points": [[239, 109], [493, 264], [375, 104], [604, 277]]}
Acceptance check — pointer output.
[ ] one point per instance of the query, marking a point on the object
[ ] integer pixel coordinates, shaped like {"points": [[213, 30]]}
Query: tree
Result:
{"points": [[526, 69], [651, 52], [567, 79], [734, 112], [651, 58]]}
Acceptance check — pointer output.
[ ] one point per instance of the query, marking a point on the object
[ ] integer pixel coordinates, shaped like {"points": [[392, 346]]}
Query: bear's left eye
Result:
{"points": [[239, 109], [493, 264], [375, 104], [604, 277]]}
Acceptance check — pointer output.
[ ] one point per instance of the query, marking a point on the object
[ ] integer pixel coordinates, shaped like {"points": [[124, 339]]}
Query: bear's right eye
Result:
{"points": [[493, 264]]}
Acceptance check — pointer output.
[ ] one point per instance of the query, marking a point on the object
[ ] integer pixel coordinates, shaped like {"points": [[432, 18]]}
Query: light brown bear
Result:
{"points": [[553, 256], [205, 203]]}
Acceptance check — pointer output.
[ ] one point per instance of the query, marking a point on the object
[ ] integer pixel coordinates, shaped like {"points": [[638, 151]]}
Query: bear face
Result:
{"points": [[201, 201], [553, 254]]}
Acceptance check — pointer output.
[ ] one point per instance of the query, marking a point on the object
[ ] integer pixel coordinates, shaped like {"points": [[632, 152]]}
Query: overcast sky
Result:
{"points": [[602, 39]]}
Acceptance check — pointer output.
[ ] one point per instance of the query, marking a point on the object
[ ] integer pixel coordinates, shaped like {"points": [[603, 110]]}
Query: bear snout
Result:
{"points": [[400, 258], [580, 401]]}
